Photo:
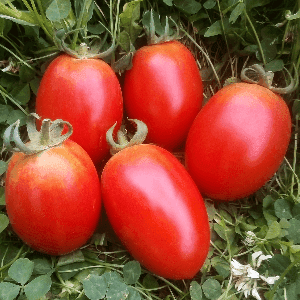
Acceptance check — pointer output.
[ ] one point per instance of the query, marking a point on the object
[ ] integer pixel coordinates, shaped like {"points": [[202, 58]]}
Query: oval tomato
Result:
{"points": [[53, 198], [86, 93], [156, 210], [164, 90], [238, 141]]}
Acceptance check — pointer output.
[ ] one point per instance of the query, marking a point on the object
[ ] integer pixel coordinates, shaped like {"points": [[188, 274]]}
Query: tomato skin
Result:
{"points": [[86, 93], [238, 141], [156, 210], [164, 90], [53, 198]]}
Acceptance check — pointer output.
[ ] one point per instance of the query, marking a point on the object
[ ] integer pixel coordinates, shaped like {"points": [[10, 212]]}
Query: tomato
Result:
{"points": [[156, 210], [238, 141], [86, 93], [164, 90], [53, 198]]}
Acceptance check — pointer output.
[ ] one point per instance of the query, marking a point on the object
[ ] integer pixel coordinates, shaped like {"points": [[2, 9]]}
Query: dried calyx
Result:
{"points": [[50, 135], [84, 51], [265, 78], [123, 142]]}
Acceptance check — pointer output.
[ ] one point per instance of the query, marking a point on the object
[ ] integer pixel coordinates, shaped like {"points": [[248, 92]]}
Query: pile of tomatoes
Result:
{"points": [[233, 145]]}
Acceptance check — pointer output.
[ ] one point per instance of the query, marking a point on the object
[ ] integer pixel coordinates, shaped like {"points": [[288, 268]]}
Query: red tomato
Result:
{"points": [[238, 141], [53, 198], [86, 93], [156, 210], [164, 90]]}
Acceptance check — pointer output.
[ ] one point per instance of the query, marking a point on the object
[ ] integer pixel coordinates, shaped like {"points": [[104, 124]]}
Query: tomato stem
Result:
{"points": [[266, 79], [138, 138], [122, 139], [83, 52], [49, 136]]}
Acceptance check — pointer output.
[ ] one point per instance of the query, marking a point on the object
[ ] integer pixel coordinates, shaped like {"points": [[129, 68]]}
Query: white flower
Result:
{"points": [[269, 280], [250, 238], [247, 277]]}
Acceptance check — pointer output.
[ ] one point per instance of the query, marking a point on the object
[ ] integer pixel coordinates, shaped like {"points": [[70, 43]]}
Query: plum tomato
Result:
{"points": [[156, 210], [238, 141], [86, 93], [164, 90], [53, 197]]}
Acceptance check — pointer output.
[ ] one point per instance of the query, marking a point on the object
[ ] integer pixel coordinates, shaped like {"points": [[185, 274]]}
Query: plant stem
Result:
{"points": [[225, 38], [284, 36], [295, 58], [18, 58], [280, 280], [100, 14], [206, 56], [117, 21], [42, 20], [12, 261], [257, 38], [111, 16], [53, 49], [59, 277], [79, 23], [170, 284], [295, 160], [27, 6], [12, 44], [39, 3], [103, 264], [31, 16], [4, 94], [19, 15]]}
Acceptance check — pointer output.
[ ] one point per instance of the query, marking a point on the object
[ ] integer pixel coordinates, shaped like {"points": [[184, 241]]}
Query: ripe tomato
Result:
{"points": [[53, 198], [164, 90], [238, 141], [156, 210], [86, 93]]}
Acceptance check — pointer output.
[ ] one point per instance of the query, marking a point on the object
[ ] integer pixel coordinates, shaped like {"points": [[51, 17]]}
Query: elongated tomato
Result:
{"points": [[156, 210], [238, 141], [164, 90], [86, 93], [53, 198]]}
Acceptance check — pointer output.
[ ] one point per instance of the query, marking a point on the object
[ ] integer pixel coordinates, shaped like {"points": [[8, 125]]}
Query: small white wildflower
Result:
{"points": [[250, 238], [269, 280], [255, 255], [255, 294], [252, 273], [247, 277], [262, 258], [237, 268]]}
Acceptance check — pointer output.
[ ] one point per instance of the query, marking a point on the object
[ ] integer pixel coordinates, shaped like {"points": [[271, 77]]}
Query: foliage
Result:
{"points": [[224, 35]]}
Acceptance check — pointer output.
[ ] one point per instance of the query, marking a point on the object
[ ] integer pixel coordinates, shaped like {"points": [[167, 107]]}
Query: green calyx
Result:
{"points": [[50, 135], [123, 141], [154, 39], [266, 79], [84, 51]]}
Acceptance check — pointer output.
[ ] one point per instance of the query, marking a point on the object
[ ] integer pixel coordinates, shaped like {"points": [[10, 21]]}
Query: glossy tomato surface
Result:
{"points": [[53, 198], [156, 210], [86, 93], [238, 141], [164, 90]]}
